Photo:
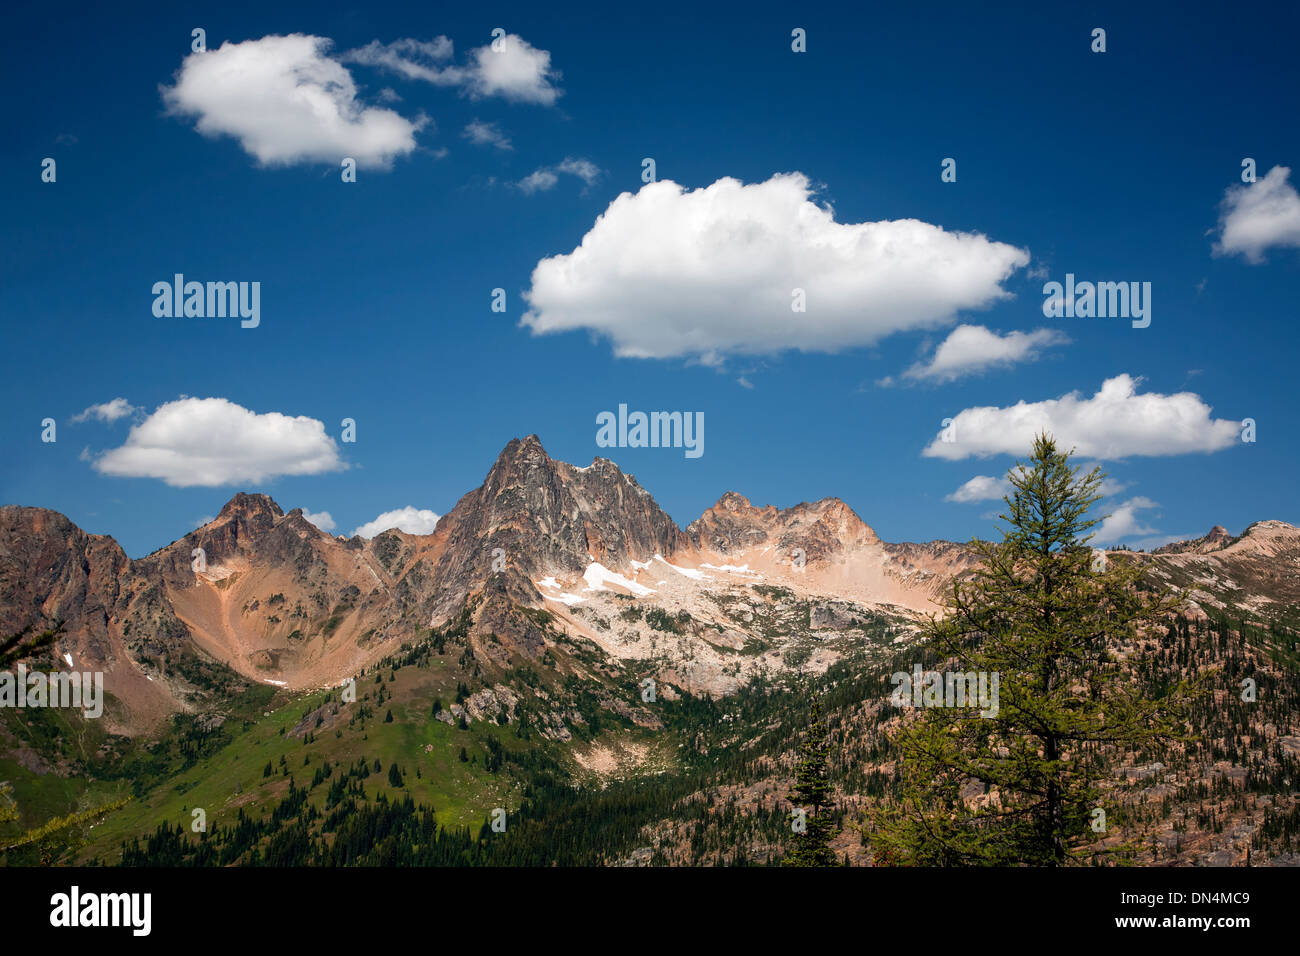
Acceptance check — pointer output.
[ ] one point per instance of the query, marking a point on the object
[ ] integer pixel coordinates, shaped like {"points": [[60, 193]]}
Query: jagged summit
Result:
{"points": [[528, 449], [821, 528], [1216, 538], [541, 517], [246, 504]]}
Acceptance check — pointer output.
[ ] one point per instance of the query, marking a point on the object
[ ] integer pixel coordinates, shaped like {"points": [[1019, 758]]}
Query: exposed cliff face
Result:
{"points": [[52, 571], [533, 517]]}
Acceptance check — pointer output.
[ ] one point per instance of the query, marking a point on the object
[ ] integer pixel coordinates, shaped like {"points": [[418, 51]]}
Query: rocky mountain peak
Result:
{"points": [[733, 501], [522, 452], [245, 505], [1216, 539], [734, 525], [545, 517]]}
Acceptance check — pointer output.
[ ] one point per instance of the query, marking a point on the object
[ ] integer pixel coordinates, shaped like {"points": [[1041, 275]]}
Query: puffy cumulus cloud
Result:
{"points": [[213, 441], [106, 412], [409, 519], [287, 101], [670, 272], [981, 488], [969, 349], [1256, 217], [1123, 522], [509, 67], [321, 519], [546, 177], [486, 134], [1114, 423], [514, 69]]}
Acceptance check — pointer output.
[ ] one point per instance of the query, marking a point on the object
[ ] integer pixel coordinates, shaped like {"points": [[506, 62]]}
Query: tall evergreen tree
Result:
{"points": [[812, 793], [1051, 620]]}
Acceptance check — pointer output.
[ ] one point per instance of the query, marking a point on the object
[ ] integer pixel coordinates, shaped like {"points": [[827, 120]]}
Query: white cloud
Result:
{"points": [[107, 412], [546, 177], [409, 519], [669, 272], [973, 348], [1254, 217], [320, 519], [982, 488], [516, 71], [1123, 522], [486, 134], [584, 169], [1109, 486], [1114, 423], [412, 59], [287, 101], [213, 441], [537, 181]]}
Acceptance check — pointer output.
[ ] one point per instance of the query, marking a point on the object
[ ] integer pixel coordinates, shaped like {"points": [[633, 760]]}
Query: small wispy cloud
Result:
{"points": [[981, 488], [971, 349], [546, 177], [584, 169], [1123, 522], [509, 67], [108, 412], [538, 181], [487, 134]]}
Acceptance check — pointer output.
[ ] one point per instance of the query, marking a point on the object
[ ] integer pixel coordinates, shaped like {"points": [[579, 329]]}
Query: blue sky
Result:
{"points": [[376, 295]]}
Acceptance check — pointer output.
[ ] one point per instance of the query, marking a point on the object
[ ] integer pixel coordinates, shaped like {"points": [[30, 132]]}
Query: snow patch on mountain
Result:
{"points": [[597, 576]]}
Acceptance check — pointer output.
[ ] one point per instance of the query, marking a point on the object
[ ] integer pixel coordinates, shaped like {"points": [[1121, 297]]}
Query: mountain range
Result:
{"points": [[275, 599]]}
